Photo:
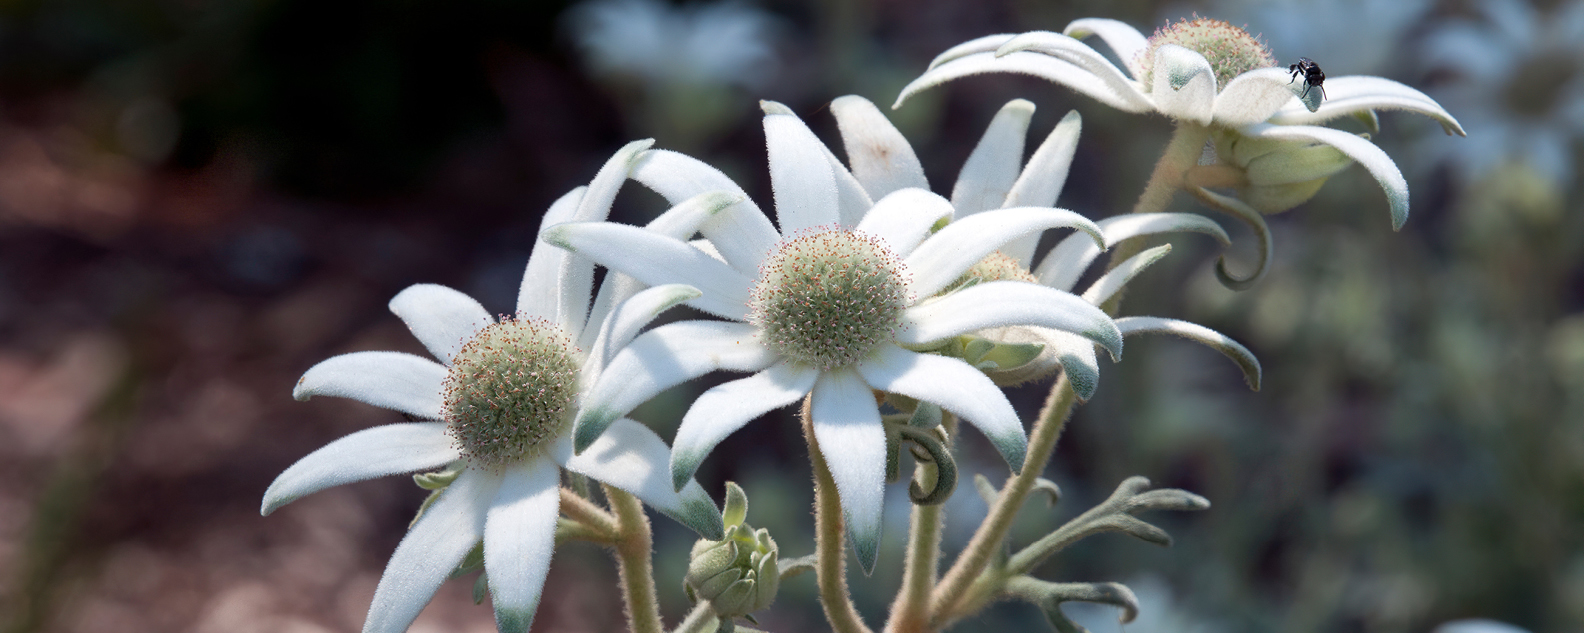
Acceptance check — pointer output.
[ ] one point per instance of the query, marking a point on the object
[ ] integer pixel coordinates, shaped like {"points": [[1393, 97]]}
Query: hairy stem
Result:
{"points": [[589, 514], [948, 597], [701, 619], [633, 554], [829, 541], [910, 612], [1181, 154]]}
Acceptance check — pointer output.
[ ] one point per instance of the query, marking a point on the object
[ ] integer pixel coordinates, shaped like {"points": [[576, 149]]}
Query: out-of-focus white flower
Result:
{"points": [[1520, 84], [498, 410], [830, 304], [726, 42], [1479, 625], [1345, 36]]}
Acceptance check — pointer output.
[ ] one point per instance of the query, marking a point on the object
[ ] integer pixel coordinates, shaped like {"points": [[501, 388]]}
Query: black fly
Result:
{"points": [[1312, 75]]}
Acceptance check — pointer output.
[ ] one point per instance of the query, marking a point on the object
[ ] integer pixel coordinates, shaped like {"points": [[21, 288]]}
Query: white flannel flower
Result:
{"points": [[994, 177], [726, 43], [829, 305], [499, 405], [1519, 79], [1209, 73]]}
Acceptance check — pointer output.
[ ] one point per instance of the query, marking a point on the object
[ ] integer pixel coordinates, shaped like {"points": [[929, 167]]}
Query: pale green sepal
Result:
{"points": [[1298, 164], [1359, 149], [1273, 199], [736, 505], [480, 588], [1005, 356], [1194, 332], [1369, 120], [925, 416], [440, 478], [1236, 208], [473, 561]]}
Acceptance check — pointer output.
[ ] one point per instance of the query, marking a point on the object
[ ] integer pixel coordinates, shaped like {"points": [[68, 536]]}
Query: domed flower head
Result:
{"points": [[832, 305], [1209, 73], [497, 408], [995, 177]]}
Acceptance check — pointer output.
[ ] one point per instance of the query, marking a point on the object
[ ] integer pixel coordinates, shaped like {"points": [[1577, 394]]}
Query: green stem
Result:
{"points": [[701, 619], [1181, 154], [948, 598], [910, 612], [589, 515], [830, 542], [633, 554]]}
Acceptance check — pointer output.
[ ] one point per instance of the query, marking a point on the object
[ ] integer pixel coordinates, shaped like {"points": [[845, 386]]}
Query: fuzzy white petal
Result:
{"points": [[1361, 93], [1070, 49], [556, 284], [519, 537], [1184, 84], [723, 409], [382, 450], [847, 427], [904, 218], [881, 159], [989, 172], [956, 387], [946, 255], [596, 203], [1127, 42], [681, 222], [1194, 332], [1113, 280], [631, 457], [441, 318], [662, 358], [1006, 303], [394, 380], [1359, 149], [852, 202], [986, 44], [630, 317], [431, 549], [741, 231], [1254, 96], [800, 176], [1065, 263], [1077, 357], [656, 260], [1042, 180], [1035, 64]]}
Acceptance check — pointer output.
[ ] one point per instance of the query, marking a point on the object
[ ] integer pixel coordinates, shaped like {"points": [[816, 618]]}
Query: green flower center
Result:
{"points": [[1230, 50], [511, 391], [827, 297], [997, 266]]}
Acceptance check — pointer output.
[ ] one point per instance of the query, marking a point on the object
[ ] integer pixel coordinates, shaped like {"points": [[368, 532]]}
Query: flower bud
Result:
{"points": [[738, 574], [1278, 174]]}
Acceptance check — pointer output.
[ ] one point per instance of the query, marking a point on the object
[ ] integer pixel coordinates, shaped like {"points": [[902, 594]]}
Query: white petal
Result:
{"points": [[1195, 332], [1184, 84], [655, 260], [881, 159], [630, 317], [1113, 280], [556, 284], [957, 387], [680, 222], [1042, 180], [596, 204], [904, 218], [989, 172], [1077, 357], [394, 380], [431, 549], [1035, 64], [1062, 267], [986, 44], [804, 185], [1006, 303], [1127, 42], [1361, 93], [1359, 149], [946, 255], [662, 358], [631, 457], [723, 409], [742, 232], [1070, 49], [382, 450], [852, 440], [441, 318], [1255, 221], [852, 202], [519, 537], [1254, 96]]}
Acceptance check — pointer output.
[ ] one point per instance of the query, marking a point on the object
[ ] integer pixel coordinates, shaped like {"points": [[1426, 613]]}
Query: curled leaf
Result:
{"points": [[1115, 514], [1049, 596]]}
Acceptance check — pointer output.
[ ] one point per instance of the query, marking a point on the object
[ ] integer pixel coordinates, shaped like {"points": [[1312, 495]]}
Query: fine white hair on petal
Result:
{"points": [[631, 457], [1042, 180], [1253, 97], [1025, 63], [555, 286], [1201, 334], [628, 318], [439, 539], [800, 176], [519, 537], [987, 176], [955, 386], [393, 380], [725, 408], [1067, 48], [741, 231], [881, 158], [1127, 42], [441, 318], [850, 437], [656, 260], [1359, 149], [1184, 84], [383, 450], [904, 218], [949, 253], [1007, 303]]}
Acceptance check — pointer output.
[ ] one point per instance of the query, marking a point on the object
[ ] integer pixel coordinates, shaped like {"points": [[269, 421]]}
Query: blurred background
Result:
{"points": [[201, 199]]}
